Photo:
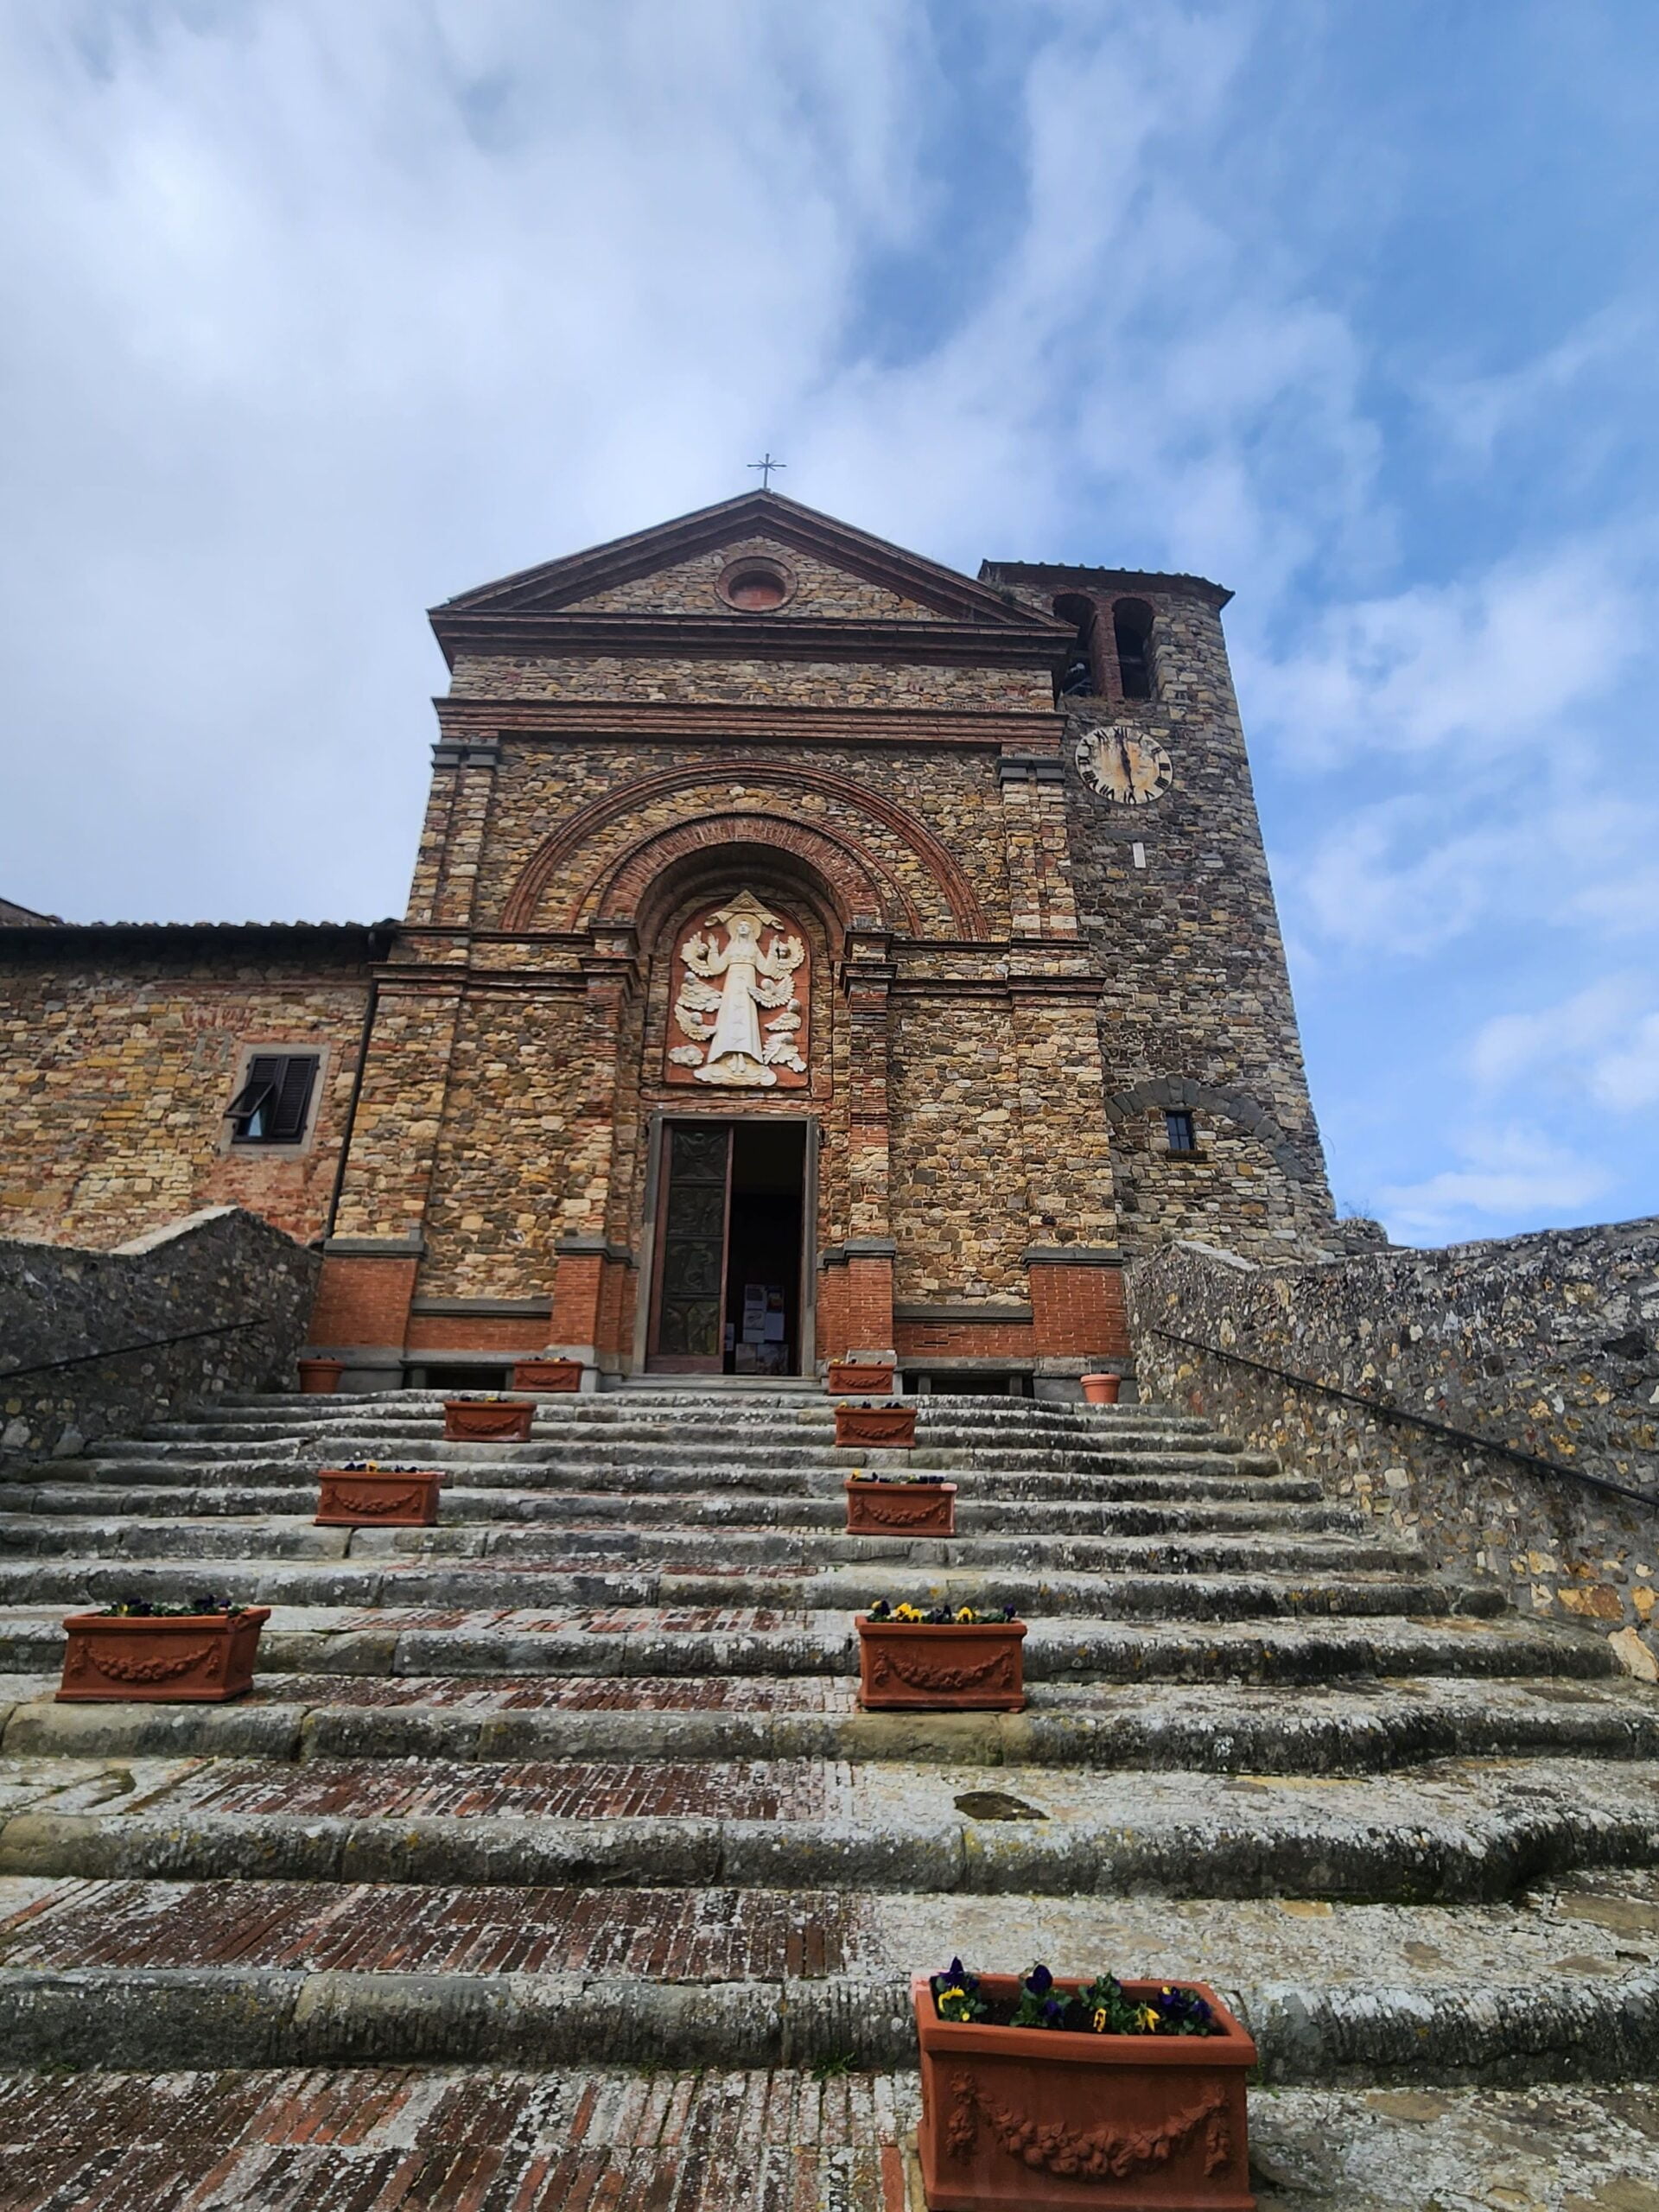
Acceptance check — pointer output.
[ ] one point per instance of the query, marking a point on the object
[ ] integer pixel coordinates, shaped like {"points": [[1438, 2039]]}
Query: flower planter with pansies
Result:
{"points": [[940, 1659], [200, 1653], [365, 1495], [872, 1427], [852, 1378], [547, 1375], [1040, 2094], [921, 1505], [487, 1420]]}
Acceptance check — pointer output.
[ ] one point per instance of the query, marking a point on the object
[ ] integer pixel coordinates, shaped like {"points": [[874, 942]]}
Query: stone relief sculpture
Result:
{"points": [[740, 998]]}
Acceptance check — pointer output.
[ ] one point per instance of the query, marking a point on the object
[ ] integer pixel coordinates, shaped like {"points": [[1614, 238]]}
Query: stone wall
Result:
{"points": [[119, 1053], [58, 1301], [645, 676], [1176, 899], [1549, 1343]]}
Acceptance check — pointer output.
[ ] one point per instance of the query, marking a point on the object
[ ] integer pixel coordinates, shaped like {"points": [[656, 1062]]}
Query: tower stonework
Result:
{"points": [[1175, 897], [811, 950]]}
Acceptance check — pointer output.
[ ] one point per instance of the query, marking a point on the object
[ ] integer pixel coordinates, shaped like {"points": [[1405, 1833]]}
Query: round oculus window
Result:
{"points": [[755, 587]]}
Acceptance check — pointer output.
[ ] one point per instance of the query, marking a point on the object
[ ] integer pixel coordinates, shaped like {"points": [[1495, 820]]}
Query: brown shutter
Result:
{"points": [[292, 1096]]}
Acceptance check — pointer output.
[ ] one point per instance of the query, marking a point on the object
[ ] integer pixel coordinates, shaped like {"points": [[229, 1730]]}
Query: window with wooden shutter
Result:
{"points": [[276, 1095]]}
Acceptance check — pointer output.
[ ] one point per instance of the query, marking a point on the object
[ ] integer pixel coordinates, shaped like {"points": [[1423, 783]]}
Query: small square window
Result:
{"points": [[274, 1100], [1182, 1136]]}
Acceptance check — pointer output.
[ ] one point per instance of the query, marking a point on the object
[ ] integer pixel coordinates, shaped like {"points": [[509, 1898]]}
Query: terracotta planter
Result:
{"points": [[858, 1378], [891, 1428], [481, 1421], [319, 1377], [356, 1497], [901, 1509], [1102, 1390], [903, 1668], [1039, 2120], [192, 1659], [547, 1375]]}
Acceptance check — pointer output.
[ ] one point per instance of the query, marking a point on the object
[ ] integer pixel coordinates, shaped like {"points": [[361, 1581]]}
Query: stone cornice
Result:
{"points": [[581, 634], [664, 721]]}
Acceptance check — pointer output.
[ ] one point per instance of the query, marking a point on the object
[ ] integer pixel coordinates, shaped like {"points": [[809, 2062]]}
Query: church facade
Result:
{"points": [[810, 949]]}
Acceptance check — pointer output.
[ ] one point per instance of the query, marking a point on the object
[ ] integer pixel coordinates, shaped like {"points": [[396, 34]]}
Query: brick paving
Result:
{"points": [[362, 2141], [760, 1789], [668, 1935]]}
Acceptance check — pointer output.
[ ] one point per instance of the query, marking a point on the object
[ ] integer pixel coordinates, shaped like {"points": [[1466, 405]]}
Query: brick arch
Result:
{"points": [[862, 893], [559, 844], [1236, 1106]]}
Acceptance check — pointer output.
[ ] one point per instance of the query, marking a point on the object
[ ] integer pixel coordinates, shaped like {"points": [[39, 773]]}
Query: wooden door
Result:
{"points": [[688, 1319]]}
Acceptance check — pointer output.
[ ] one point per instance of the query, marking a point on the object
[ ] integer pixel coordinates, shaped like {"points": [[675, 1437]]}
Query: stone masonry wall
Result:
{"points": [[820, 591], [114, 1079], [637, 677], [56, 1301], [538, 788], [1198, 991], [1549, 1342]]}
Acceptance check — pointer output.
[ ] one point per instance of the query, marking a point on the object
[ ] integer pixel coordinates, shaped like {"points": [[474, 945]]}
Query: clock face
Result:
{"points": [[1124, 767]]}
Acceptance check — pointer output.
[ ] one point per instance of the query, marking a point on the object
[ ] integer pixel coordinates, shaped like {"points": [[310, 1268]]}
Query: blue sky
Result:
{"points": [[314, 315]]}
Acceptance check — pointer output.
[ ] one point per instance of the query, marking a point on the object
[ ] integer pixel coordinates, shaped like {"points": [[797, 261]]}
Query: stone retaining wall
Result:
{"points": [[1549, 1342], [58, 1300]]}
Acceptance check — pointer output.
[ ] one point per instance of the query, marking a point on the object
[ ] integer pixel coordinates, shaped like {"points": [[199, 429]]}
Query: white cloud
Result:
{"points": [[1511, 1177], [1602, 1044], [1471, 671]]}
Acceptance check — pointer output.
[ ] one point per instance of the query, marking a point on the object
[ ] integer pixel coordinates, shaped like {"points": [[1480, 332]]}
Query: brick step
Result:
{"points": [[672, 1550], [609, 1408], [1220, 1728], [582, 2139], [697, 1464], [472, 1466], [740, 1512], [578, 2141], [1061, 1599], [1462, 1832], [749, 1642], [1330, 1990]]}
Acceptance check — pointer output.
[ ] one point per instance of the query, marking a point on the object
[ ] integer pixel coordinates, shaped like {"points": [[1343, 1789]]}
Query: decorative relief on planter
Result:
{"points": [[1105, 2153], [877, 1428], [742, 1001], [368, 1498], [849, 1378], [909, 1669], [1041, 2120], [483, 1421], [901, 1509], [547, 1375], [184, 1659]]}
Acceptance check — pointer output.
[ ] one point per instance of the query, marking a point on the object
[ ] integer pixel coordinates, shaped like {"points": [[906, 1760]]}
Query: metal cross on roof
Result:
{"points": [[765, 465]]}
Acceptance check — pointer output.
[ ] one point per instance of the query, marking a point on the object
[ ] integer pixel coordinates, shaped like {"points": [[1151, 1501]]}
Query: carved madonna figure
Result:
{"points": [[740, 1015]]}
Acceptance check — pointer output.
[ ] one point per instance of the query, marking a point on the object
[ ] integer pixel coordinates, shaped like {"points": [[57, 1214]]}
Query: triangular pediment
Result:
{"points": [[833, 573]]}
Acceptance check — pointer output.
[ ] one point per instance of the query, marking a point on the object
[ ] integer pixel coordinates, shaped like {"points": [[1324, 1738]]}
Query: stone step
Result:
{"points": [[318, 1973], [700, 1458], [670, 1549], [1463, 1832], [603, 1408], [464, 1503], [581, 2140], [1063, 1599], [585, 2139], [759, 1642], [1219, 1728]]}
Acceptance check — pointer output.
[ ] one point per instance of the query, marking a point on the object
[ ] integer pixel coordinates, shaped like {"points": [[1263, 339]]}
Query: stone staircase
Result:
{"points": [[573, 1788]]}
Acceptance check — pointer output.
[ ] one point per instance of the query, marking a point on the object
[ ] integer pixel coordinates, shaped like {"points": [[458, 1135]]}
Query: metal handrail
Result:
{"points": [[1387, 1411], [119, 1351]]}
